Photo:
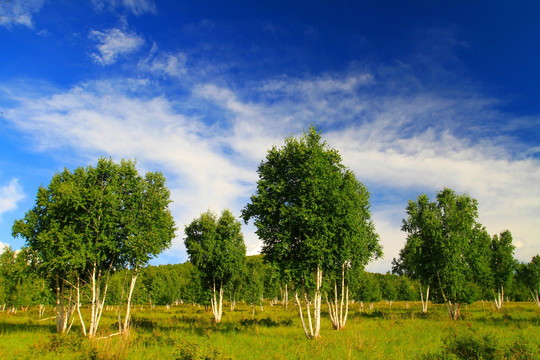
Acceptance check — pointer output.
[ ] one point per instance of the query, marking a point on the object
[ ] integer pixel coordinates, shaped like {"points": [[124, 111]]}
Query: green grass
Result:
{"points": [[187, 332]]}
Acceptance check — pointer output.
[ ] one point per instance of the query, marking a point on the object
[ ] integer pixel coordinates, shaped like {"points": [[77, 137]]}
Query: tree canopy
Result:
{"points": [[311, 213], [93, 221], [216, 247]]}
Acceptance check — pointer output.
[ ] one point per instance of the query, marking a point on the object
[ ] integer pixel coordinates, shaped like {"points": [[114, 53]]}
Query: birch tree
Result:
{"points": [[354, 243], [298, 210], [90, 222], [441, 237], [502, 265], [529, 274], [216, 247]]}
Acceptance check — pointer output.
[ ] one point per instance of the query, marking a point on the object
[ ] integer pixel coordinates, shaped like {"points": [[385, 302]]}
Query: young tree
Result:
{"points": [[253, 289], [313, 217], [502, 265], [93, 221], [530, 275], [440, 242], [416, 259], [216, 247]]}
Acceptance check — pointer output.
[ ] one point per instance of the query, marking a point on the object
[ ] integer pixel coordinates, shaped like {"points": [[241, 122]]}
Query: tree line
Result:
{"points": [[92, 232], [173, 284]]}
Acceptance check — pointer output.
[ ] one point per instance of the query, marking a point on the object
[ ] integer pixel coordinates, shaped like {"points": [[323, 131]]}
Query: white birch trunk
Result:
{"points": [[335, 307], [217, 304], [64, 307], [97, 300], [535, 296], [499, 298], [426, 302], [127, 319], [79, 305], [314, 322]]}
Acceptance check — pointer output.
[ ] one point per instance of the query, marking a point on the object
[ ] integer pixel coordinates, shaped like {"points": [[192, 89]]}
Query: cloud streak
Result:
{"points": [[137, 7]]}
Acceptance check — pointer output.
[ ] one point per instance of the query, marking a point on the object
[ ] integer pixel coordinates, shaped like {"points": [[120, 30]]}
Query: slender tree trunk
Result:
{"points": [[335, 308], [535, 296], [217, 304], [499, 297], [286, 298], [454, 310], [127, 319], [64, 306], [426, 302], [79, 305], [97, 299], [314, 329]]}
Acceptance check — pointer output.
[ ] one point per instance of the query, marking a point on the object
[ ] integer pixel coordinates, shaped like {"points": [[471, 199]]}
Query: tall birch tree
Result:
{"points": [[306, 220], [90, 222], [216, 247]]}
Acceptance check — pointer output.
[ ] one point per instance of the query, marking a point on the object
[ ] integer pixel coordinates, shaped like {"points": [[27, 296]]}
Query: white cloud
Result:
{"points": [[138, 7], [164, 64], [113, 43], [400, 143], [19, 12], [10, 195]]}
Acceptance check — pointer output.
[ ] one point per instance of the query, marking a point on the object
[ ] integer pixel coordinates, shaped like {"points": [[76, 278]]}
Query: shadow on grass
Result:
{"points": [[6, 327]]}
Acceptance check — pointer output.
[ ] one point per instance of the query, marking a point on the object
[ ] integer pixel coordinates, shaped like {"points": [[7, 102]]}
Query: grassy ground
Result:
{"points": [[389, 331]]}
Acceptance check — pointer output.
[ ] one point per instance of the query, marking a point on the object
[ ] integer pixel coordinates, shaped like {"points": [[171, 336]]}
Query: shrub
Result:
{"points": [[189, 350], [471, 344]]}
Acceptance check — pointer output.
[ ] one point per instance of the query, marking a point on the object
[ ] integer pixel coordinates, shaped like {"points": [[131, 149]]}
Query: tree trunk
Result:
{"points": [[499, 298], [127, 319], [335, 308], [535, 295], [217, 304], [63, 310], [286, 298], [97, 299], [426, 302], [454, 310], [314, 329]]}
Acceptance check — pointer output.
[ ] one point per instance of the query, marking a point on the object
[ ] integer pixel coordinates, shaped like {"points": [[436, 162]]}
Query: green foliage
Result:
{"points": [[444, 246], [310, 211], [106, 215], [190, 350], [472, 344], [93, 221], [216, 247], [529, 274], [502, 259], [20, 285]]}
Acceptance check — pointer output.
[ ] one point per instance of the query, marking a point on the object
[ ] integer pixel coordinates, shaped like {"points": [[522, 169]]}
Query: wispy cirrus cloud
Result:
{"points": [[114, 43], [19, 12], [137, 7]]}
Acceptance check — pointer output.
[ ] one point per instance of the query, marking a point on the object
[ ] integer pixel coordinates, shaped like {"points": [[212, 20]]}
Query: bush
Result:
{"points": [[189, 350], [471, 344]]}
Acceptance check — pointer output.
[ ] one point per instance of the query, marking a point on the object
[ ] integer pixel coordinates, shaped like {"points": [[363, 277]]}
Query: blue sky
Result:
{"points": [[416, 95]]}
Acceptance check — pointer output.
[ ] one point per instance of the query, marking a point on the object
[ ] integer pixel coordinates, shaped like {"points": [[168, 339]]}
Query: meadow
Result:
{"points": [[388, 330]]}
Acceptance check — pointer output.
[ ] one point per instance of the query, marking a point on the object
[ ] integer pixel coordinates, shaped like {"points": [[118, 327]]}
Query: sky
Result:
{"points": [[416, 96]]}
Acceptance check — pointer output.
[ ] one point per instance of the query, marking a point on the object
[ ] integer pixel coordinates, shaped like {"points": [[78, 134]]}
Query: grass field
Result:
{"points": [[389, 331]]}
